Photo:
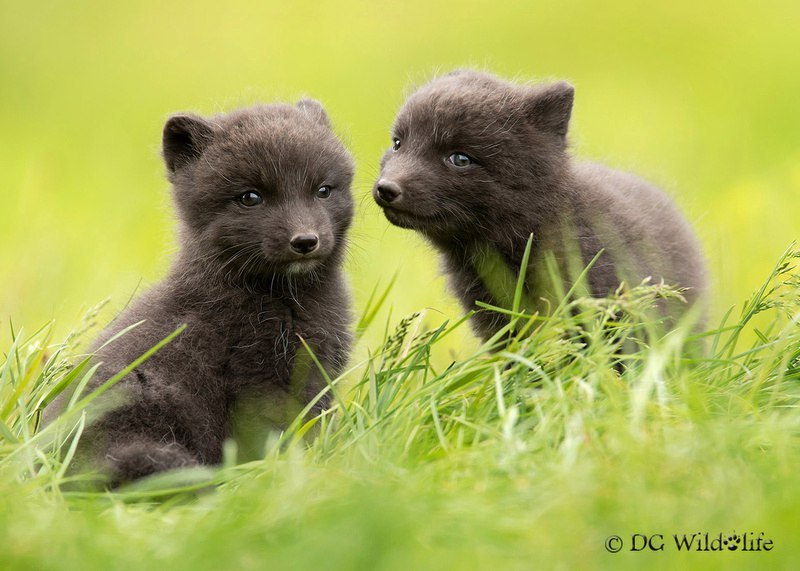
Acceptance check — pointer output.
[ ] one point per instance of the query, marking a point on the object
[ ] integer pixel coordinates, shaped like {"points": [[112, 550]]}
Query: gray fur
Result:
{"points": [[524, 182], [244, 294]]}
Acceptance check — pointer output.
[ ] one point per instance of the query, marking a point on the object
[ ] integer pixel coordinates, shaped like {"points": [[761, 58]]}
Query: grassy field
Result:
{"points": [[536, 452], [439, 454]]}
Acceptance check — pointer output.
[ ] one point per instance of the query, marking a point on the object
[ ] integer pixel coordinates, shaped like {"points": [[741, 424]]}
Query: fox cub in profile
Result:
{"points": [[264, 205], [478, 164]]}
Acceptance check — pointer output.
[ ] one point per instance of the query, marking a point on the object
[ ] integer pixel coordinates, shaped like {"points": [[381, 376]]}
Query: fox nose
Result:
{"points": [[304, 243], [388, 190]]}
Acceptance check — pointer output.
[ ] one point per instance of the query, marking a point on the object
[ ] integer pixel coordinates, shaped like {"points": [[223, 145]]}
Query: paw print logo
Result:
{"points": [[732, 542]]}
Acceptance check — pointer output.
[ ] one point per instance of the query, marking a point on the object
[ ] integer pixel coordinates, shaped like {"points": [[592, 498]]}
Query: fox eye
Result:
{"points": [[250, 198], [459, 160], [395, 144], [324, 191]]}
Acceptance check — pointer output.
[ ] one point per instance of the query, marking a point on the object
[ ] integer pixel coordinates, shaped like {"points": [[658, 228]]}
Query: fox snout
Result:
{"points": [[387, 191]]}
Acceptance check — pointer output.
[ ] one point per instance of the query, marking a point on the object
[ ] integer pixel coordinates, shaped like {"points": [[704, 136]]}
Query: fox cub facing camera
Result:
{"points": [[263, 200]]}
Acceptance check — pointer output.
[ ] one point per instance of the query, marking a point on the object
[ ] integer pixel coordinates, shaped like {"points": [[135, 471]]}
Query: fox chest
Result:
{"points": [[262, 348]]}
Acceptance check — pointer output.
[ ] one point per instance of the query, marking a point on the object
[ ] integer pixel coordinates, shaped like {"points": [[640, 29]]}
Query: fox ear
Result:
{"points": [[315, 110], [550, 107], [185, 138]]}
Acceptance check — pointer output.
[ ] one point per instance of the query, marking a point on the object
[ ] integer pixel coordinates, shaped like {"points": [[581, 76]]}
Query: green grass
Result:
{"points": [[528, 452]]}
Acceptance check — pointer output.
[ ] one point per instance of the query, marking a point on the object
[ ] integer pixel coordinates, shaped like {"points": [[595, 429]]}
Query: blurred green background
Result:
{"points": [[699, 97]]}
